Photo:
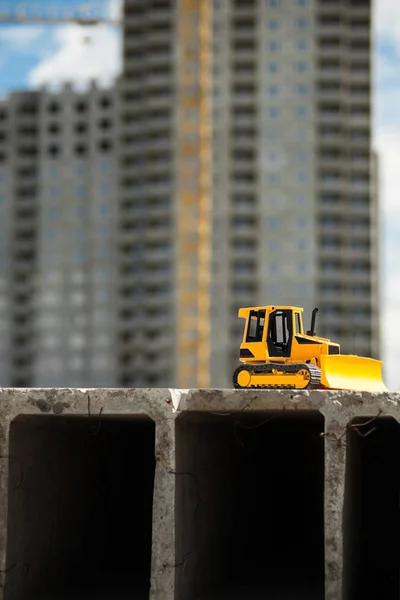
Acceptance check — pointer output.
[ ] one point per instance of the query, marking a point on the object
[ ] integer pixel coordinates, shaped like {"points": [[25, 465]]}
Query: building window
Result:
{"points": [[302, 267], [273, 67], [273, 45], [301, 222], [105, 146], [81, 107], [272, 178], [54, 107], [104, 210], [105, 102], [105, 188], [80, 128], [301, 44], [301, 245], [273, 246], [301, 111], [273, 111], [301, 89], [273, 267], [53, 151], [80, 149], [301, 177], [301, 67], [301, 23], [272, 222]]}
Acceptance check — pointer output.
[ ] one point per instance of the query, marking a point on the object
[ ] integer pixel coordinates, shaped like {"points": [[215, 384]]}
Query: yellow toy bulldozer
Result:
{"points": [[276, 353]]}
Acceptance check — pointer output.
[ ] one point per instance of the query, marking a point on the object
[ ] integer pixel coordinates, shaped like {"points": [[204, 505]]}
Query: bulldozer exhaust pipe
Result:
{"points": [[313, 317]]}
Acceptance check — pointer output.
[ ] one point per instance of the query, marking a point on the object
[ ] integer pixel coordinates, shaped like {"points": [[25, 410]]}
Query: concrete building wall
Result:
{"points": [[6, 221], [20, 168], [264, 167], [147, 245], [77, 235], [347, 201], [58, 264]]}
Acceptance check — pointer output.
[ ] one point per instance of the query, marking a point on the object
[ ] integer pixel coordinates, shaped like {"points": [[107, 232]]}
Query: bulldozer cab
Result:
{"points": [[269, 331]]}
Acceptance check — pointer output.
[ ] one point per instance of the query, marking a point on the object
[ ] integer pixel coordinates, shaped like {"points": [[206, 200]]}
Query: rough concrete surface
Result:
{"points": [[198, 494]]}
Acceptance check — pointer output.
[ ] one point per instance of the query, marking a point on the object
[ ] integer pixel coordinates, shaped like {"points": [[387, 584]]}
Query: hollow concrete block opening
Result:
{"points": [[250, 506], [80, 508], [372, 510]]}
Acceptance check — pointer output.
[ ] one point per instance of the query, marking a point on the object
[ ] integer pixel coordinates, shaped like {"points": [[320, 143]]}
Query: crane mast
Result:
{"points": [[194, 193]]}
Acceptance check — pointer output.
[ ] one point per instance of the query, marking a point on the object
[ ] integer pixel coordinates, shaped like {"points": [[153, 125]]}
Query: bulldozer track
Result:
{"points": [[269, 368]]}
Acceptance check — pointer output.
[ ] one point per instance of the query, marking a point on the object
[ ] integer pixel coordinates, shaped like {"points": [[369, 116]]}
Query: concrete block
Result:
{"points": [[198, 494]]}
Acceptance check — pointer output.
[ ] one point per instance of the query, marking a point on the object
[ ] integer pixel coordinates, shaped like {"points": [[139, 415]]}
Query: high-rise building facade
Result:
{"points": [[58, 226], [231, 166]]}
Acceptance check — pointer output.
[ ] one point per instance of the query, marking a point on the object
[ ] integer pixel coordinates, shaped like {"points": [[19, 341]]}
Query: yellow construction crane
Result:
{"points": [[194, 193], [87, 14]]}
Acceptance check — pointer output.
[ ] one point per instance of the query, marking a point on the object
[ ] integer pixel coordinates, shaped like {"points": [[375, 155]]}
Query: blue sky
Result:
{"points": [[35, 54]]}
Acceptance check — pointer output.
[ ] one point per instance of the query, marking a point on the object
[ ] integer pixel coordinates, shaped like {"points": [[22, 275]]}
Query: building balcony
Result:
{"points": [[249, 120], [336, 94], [362, 187], [331, 139], [243, 142], [244, 99], [337, 163], [244, 53], [159, 59], [330, 118], [244, 231], [359, 120], [329, 252], [159, 80], [159, 37], [160, 100], [159, 124], [360, 76], [361, 33], [135, 42], [330, 75], [243, 34], [243, 10], [243, 76], [329, 30], [152, 234]]}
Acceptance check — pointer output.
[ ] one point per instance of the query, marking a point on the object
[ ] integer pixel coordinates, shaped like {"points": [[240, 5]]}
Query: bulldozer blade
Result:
{"points": [[348, 372]]}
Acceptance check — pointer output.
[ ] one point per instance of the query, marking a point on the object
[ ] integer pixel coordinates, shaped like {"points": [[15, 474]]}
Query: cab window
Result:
{"points": [[298, 323], [255, 329]]}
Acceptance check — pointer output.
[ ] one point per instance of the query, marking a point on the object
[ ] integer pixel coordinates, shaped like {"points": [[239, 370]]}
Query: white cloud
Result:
{"points": [[114, 9], [387, 143], [21, 37], [387, 17], [82, 54]]}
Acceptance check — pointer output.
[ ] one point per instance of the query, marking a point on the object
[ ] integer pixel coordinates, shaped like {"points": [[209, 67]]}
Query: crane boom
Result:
{"points": [[88, 14], [14, 20]]}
